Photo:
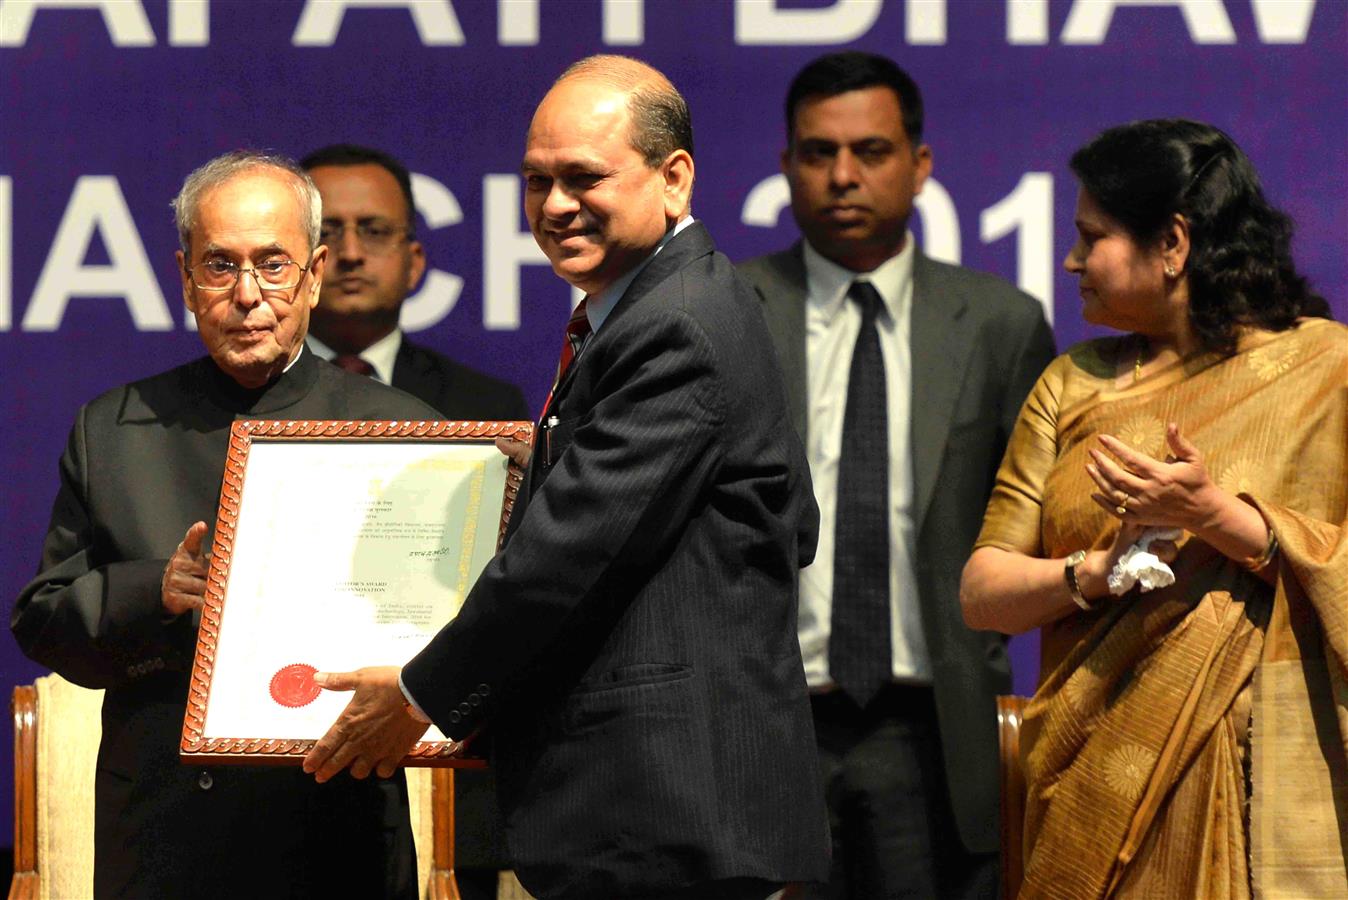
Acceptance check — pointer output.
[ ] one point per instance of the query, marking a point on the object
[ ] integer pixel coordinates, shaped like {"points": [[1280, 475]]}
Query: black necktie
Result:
{"points": [[859, 651]]}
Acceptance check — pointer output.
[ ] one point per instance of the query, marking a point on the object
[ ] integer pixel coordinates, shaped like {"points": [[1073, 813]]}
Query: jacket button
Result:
{"points": [[454, 717], [205, 781], [465, 709], [483, 690], [474, 699]]}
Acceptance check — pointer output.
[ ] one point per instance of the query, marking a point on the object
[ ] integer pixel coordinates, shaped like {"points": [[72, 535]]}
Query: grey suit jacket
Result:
{"points": [[978, 344]]}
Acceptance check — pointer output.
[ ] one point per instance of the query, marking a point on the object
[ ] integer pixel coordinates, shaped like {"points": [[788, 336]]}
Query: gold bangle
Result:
{"points": [[1260, 562], [1069, 574]]}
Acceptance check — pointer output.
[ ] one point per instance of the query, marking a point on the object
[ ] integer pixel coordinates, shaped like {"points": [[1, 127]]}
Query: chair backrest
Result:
{"points": [[57, 728], [1009, 709], [430, 795]]}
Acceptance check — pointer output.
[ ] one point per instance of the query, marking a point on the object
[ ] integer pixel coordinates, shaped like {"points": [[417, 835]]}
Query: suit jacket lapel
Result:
{"points": [[784, 299], [687, 245], [683, 248], [939, 352]]}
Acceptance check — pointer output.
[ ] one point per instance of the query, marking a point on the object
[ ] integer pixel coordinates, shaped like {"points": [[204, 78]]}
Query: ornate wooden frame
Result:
{"points": [[197, 748]]}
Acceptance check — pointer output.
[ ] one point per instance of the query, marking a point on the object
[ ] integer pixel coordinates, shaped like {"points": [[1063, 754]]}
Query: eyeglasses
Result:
{"points": [[272, 275], [374, 236]]}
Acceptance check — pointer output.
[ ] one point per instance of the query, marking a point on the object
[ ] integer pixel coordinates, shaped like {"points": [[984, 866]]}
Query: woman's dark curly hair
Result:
{"points": [[1240, 260]]}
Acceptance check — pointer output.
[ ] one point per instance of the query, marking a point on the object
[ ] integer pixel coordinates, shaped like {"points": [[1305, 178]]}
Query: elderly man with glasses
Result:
{"points": [[374, 262], [116, 602]]}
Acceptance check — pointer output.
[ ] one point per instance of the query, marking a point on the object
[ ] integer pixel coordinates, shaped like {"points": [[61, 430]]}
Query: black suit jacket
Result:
{"points": [[634, 645], [977, 345], [143, 463], [455, 391]]}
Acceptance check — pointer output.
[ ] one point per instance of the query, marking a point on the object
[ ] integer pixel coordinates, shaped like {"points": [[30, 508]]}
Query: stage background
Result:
{"points": [[104, 109]]}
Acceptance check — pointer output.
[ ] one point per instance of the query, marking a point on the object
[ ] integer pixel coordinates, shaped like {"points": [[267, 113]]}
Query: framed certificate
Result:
{"points": [[338, 545]]}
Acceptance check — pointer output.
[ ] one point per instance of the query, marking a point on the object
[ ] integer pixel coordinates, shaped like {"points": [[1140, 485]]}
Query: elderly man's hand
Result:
{"points": [[373, 733], [518, 451], [183, 586]]}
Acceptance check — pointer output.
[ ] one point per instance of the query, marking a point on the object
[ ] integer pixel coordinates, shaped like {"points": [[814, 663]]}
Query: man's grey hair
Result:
{"points": [[233, 164]]}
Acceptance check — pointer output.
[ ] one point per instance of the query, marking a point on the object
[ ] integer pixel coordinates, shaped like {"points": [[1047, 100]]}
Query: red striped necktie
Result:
{"points": [[353, 363], [577, 329]]}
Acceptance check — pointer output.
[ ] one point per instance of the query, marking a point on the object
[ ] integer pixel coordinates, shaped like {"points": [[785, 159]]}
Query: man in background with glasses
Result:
{"points": [[374, 262], [117, 600]]}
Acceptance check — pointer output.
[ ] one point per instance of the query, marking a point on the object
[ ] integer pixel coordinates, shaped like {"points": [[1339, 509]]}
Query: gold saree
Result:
{"points": [[1190, 741]]}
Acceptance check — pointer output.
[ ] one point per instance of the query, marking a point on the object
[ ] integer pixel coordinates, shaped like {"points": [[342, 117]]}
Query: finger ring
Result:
{"points": [[1122, 508]]}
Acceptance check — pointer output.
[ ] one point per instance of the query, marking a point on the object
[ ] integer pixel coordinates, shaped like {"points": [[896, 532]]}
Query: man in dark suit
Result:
{"points": [[633, 646], [116, 602], [375, 261], [904, 377]]}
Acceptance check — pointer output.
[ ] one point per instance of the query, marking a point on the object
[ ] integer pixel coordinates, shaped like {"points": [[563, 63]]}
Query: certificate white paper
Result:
{"points": [[335, 553]]}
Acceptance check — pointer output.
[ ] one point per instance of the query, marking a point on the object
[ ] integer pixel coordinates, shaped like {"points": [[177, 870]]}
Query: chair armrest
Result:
{"points": [[25, 883], [1009, 712]]}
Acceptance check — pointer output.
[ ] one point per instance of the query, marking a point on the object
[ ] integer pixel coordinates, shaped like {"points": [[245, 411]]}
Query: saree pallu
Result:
{"points": [[1191, 741]]}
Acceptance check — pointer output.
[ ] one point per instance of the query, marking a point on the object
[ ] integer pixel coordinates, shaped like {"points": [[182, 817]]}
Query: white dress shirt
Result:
{"points": [[832, 323], [380, 355]]}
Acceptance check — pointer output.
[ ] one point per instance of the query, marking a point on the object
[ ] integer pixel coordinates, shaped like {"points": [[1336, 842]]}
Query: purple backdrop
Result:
{"points": [[104, 110]]}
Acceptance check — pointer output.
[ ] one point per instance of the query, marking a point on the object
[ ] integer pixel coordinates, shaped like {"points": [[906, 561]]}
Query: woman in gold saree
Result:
{"points": [[1187, 741]]}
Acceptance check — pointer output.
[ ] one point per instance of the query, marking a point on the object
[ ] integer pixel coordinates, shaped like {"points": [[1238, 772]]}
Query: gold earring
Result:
{"points": [[1170, 271]]}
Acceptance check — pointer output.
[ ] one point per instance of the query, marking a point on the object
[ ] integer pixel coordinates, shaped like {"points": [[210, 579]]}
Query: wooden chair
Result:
{"points": [[1009, 709], [430, 800], [56, 734]]}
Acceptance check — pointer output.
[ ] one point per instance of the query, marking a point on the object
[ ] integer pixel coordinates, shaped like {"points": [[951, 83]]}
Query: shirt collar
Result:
{"points": [[599, 306], [828, 282], [381, 354], [293, 361], [281, 392]]}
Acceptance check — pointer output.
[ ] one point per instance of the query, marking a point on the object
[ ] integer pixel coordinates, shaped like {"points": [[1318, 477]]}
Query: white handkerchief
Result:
{"points": [[1138, 565]]}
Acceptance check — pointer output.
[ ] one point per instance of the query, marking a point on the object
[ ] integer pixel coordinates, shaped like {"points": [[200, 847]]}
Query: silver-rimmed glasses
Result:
{"points": [[271, 276]]}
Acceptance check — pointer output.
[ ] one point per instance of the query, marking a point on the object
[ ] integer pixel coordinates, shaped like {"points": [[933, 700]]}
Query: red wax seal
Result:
{"points": [[294, 685]]}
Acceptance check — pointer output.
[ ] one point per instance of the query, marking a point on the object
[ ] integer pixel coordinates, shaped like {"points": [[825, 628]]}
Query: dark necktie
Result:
{"points": [[577, 328], [353, 363], [859, 651]]}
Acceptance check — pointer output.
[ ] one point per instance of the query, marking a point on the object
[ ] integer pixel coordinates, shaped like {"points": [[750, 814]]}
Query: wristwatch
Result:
{"points": [[1069, 574]]}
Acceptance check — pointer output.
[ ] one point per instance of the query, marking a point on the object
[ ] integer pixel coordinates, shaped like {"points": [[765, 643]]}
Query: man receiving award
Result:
{"points": [[633, 646]]}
